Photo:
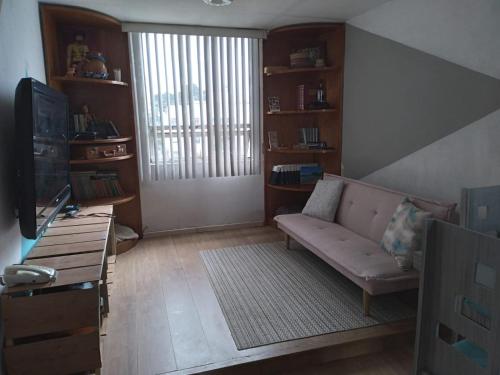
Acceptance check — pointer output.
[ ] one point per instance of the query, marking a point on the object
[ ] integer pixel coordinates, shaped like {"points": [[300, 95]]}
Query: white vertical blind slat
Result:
{"points": [[160, 104], [245, 101], [230, 69], [184, 100], [173, 39], [203, 118], [152, 124], [209, 105], [170, 161], [192, 125], [239, 143]]}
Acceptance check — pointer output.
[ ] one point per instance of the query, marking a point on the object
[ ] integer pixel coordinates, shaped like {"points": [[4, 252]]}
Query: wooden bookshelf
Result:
{"points": [[106, 98], [282, 81]]}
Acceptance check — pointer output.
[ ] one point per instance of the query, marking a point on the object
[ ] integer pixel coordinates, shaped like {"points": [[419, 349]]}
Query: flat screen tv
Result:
{"points": [[42, 151]]}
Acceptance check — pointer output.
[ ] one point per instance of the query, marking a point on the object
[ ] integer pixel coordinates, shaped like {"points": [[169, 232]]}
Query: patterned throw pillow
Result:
{"points": [[324, 200], [404, 233]]}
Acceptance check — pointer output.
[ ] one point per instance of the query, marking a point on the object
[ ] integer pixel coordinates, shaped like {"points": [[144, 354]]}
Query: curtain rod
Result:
{"points": [[193, 30]]}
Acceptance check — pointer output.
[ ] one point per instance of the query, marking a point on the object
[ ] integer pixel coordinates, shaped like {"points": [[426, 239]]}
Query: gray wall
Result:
{"points": [[398, 100], [21, 55]]}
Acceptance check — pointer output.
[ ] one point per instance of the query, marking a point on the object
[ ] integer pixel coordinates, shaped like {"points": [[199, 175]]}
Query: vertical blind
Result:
{"points": [[197, 104]]}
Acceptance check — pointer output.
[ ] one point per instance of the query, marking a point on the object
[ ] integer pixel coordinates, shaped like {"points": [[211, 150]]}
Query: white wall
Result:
{"points": [[21, 56], [195, 203], [464, 32]]}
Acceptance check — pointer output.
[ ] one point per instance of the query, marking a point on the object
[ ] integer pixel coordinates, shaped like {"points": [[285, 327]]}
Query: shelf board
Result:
{"points": [[280, 71], [299, 151], [302, 112], [100, 141], [91, 81], [101, 160], [115, 201], [305, 188]]}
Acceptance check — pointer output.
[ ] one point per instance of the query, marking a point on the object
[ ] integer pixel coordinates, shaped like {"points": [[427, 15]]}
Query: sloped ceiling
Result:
{"points": [[262, 14]]}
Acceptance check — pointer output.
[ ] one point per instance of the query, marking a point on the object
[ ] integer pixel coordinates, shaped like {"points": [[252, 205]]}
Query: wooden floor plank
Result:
{"points": [[155, 353], [188, 338]]}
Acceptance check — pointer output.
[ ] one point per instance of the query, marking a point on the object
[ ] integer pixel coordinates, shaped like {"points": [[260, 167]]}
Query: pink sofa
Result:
{"points": [[351, 244]]}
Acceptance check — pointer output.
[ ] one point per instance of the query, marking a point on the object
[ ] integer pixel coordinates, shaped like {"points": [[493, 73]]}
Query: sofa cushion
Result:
{"points": [[324, 200], [367, 209], [360, 256], [403, 235]]}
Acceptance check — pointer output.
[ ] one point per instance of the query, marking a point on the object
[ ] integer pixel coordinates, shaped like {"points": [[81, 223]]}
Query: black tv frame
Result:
{"points": [[24, 119]]}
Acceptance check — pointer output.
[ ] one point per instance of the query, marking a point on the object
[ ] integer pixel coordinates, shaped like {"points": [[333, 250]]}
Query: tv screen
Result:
{"points": [[43, 155]]}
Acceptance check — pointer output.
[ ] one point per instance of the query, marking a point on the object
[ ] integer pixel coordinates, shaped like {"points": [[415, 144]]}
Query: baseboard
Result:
{"points": [[209, 228]]}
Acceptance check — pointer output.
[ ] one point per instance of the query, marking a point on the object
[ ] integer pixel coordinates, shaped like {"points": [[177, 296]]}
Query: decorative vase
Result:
{"points": [[94, 66]]}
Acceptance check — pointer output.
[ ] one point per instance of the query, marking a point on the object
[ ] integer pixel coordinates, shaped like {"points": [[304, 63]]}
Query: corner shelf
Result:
{"points": [[302, 112], [115, 201], [100, 141], [305, 188], [92, 81], [101, 160], [298, 151], [280, 71]]}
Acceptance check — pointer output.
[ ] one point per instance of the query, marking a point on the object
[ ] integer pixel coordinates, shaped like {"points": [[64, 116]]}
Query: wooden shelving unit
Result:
{"points": [[101, 160], [107, 99], [282, 82]]}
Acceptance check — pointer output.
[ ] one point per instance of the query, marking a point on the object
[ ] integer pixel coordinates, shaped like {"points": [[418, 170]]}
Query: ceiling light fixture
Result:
{"points": [[218, 3]]}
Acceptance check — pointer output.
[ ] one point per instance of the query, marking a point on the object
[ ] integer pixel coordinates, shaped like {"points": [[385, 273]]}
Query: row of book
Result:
{"points": [[88, 185], [291, 174]]}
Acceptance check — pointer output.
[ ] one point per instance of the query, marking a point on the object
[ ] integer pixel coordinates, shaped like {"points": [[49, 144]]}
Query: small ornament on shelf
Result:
{"points": [[274, 104]]}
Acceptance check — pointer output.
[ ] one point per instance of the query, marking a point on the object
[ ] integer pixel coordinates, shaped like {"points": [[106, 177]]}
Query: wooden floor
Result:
{"points": [[165, 318]]}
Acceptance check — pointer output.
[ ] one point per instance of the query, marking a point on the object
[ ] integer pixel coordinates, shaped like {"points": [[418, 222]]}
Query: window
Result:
{"points": [[197, 102]]}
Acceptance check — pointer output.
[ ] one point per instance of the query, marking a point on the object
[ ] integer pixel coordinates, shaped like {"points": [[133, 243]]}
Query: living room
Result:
{"points": [[228, 186]]}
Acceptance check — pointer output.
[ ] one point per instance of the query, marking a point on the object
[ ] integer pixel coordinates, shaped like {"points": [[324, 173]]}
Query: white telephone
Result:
{"points": [[27, 274]]}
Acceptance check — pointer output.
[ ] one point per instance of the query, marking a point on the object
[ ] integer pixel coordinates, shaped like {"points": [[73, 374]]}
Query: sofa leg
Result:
{"points": [[366, 303], [287, 241]]}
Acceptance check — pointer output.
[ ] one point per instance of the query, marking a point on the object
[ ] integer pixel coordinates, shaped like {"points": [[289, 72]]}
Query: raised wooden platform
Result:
{"points": [[166, 318]]}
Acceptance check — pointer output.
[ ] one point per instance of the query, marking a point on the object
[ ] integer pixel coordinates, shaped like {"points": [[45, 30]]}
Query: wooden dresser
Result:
{"points": [[54, 328]]}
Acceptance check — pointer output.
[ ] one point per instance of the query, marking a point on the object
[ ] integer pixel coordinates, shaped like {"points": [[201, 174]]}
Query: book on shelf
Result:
{"points": [[288, 174], [88, 185]]}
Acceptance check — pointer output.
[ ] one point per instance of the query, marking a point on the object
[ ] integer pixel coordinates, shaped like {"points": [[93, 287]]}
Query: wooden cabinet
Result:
{"points": [[54, 328], [107, 99], [280, 80]]}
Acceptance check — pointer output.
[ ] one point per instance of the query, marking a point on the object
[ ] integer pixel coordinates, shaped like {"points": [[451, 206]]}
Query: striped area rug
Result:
{"points": [[269, 294]]}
